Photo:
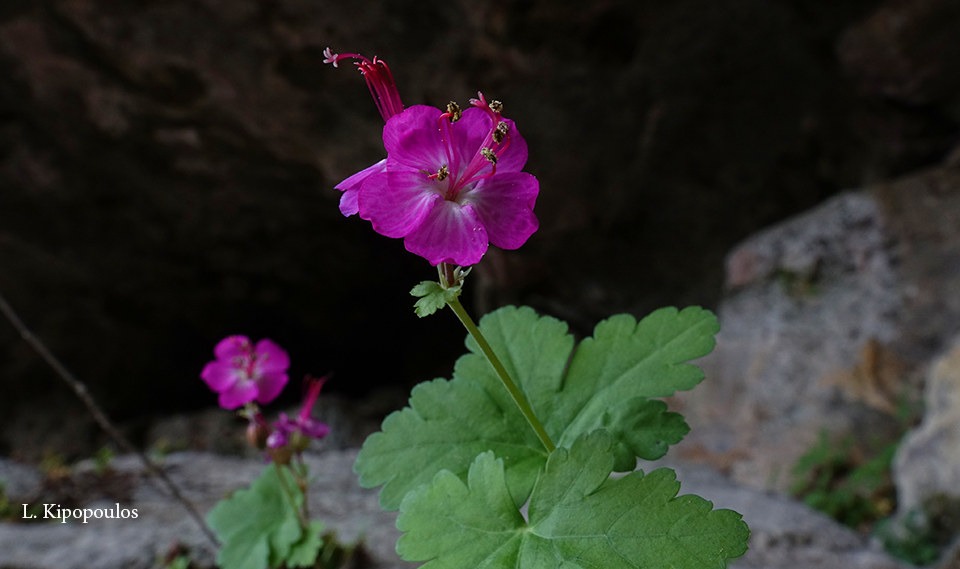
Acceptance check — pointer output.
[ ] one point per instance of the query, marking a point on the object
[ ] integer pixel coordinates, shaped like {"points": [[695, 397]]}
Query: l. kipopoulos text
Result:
{"points": [[83, 515]]}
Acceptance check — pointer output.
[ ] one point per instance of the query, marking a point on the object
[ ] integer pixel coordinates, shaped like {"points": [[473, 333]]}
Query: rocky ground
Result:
{"points": [[785, 534]]}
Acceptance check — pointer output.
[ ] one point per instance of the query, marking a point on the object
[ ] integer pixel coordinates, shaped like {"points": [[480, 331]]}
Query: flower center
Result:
{"points": [[483, 163]]}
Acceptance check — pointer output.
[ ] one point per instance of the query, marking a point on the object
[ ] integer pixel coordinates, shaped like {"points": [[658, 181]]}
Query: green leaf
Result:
{"points": [[640, 427], [447, 424], [304, 552], [607, 382], [257, 526], [432, 297], [578, 518]]}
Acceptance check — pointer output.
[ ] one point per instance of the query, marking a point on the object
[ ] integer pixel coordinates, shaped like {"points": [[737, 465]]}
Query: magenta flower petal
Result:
{"points": [[284, 428], [349, 205], [243, 372], [450, 233], [466, 137], [219, 375], [504, 204], [313, 428], [451, 184], [238, 394], [397, 202], [351, 186], [412, 138], [232, 347], [277, 439], [271, 357], [269, 385]]}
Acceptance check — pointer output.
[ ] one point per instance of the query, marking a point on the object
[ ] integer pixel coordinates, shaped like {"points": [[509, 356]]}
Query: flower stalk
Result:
{"points": [[302, 516], [515, 393]]}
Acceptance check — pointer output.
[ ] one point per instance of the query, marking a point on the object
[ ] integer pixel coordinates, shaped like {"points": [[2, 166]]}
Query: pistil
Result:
{"points": [[379, 80]]}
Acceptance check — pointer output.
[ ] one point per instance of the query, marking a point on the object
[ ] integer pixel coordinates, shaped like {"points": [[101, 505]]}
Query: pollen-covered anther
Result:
{"points": [[489, 155], [453, 111], [500, 132], [496, 106], [441, 174]]}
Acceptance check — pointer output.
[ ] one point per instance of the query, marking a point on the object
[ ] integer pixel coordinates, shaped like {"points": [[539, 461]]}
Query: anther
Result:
{"points": [[489, 155], [500, 132], [441, 174], [453, 111], [496, 106]]}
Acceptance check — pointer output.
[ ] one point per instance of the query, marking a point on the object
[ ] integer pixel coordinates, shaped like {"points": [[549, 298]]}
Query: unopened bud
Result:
{"points": [[257, 434]]}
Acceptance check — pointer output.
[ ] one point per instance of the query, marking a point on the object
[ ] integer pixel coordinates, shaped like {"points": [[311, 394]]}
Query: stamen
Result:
{"points": [[500, 132], [492, 108], [489, 155], [441, 174], [453, 111]]}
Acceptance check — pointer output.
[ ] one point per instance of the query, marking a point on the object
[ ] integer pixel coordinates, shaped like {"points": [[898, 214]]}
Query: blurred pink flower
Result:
{"points": [[244, 372], [286, 429]]}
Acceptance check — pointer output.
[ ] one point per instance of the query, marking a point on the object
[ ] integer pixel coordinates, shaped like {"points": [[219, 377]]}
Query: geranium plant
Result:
{"points": [[510, 463], [267, 524]]}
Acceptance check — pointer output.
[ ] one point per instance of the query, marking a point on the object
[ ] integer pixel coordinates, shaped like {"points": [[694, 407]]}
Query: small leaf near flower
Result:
{"points": [[432, 297]]}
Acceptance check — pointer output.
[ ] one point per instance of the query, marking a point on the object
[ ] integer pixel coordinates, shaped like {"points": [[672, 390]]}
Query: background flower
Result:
{"points": [[244, 372], [286, 429]]}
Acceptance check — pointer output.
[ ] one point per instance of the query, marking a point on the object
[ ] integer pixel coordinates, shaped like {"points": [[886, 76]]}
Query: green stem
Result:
{"points": [[512, 388], [303, 482], [301, 516]]}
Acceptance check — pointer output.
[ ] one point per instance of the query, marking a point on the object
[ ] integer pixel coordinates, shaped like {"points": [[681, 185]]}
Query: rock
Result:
{"points": [[18, 480], [906, 50], [927, 464], [902, 58], [162, 522], [830, 319], [951, 559], [807, 298], [785, 534]]}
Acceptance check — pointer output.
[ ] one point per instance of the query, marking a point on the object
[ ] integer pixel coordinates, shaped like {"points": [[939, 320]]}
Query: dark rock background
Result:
{"points": [[166, 170]]}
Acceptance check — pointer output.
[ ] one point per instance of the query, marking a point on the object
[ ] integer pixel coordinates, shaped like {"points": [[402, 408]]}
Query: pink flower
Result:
{"points": [[452, 182], [244, 372], [303, 427]]}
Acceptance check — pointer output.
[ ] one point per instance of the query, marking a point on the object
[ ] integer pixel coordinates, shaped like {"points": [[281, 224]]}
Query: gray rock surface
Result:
{"points": [[830, 322], [808, 298], [784, 533], [18, 479], [928, 461], [162, 522]]}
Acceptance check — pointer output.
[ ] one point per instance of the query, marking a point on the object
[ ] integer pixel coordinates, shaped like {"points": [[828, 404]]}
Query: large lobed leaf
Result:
{"points": [[578, 518], [607, 382]]}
